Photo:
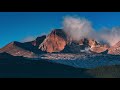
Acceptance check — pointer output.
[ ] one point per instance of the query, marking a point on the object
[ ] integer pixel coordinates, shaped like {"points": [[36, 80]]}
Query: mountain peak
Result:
{"points": [[59, 32], [58, 41], [54, 42], [16, 49], [38, 40], [12, 44], [115, 49], [117, 44], [15, 43]]}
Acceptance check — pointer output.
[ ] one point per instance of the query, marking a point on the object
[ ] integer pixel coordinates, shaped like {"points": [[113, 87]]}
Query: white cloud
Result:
{"points": [[78, 28], [111, 36]]}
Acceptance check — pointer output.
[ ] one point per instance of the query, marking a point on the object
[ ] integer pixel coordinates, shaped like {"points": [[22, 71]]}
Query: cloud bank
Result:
{"points": [[77, 28]]}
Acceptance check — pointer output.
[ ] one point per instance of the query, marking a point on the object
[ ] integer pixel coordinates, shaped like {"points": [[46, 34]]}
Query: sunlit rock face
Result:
{"points": [[17, 49], [54, 42], [115, 49], [100, 48], [95, 46], [21, 49], [58, 41], [85, 45]]}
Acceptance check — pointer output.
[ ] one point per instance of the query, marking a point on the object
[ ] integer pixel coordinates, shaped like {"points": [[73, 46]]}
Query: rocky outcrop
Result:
{"points": [[17, 49], [73, 48], [38, 41], [95, 46], [100, 48], [115, 50], [54, 42], [85, 45], [21, 49]]}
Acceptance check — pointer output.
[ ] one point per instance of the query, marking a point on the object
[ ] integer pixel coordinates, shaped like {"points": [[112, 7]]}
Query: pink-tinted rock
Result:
{"points": [[54, 42]]}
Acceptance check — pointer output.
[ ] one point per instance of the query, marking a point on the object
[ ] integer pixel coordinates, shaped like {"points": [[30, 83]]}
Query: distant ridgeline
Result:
{"points": [[59, 42]]}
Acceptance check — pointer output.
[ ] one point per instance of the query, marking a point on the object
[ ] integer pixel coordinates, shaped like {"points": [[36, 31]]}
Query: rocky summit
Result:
{"points": [[115, 49], [58, 42], [54, 42]]}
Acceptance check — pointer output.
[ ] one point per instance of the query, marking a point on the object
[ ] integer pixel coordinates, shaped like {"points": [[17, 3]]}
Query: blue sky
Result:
{"points": [[15, 26]]}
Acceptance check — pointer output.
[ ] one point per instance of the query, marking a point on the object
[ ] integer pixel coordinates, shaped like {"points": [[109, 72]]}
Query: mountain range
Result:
{"points": [[58, 42], [58, 55]]}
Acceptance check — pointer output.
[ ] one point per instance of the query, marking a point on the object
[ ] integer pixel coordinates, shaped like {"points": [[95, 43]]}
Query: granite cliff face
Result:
{"points": [[115, 50], [54, 42]]}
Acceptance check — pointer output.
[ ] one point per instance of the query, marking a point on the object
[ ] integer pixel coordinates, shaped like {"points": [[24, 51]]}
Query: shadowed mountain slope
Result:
{"points": [[25, 68]]}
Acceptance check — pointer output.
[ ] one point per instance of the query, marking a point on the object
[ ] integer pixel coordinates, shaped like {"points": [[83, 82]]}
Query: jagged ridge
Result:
{"points": [[58, 41]]}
